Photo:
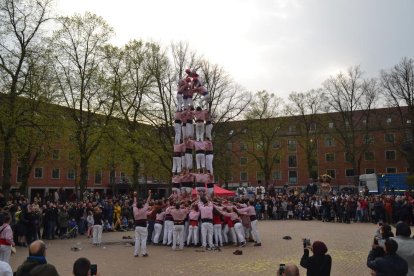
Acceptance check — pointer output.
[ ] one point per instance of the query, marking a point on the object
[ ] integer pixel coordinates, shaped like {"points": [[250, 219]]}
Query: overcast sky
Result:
{"points": [[276, 45]]}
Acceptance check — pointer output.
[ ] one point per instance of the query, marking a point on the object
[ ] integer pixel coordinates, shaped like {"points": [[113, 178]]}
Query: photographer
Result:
{"points": [[83, 267], [288, 270], [320, 263]]}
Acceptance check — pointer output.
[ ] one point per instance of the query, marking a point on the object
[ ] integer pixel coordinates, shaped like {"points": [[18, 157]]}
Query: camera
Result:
{"points": [[94, 269], [306, 243], [282, 269]]}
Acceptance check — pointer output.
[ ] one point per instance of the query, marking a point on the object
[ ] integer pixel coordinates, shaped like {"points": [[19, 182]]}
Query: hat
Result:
{"points": [[188, 71], [319, 248], [402, 229]]}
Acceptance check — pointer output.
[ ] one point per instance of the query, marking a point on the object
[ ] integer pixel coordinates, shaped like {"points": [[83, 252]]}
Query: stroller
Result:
{"points": [[72, 230]]}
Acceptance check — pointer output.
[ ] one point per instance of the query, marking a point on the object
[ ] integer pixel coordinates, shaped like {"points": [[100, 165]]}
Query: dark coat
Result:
{"points": [[317, 265], [36, 266], [389, 264]]}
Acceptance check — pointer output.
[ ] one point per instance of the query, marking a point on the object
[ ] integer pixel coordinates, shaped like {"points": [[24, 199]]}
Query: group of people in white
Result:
{"points": [[188, 221]]}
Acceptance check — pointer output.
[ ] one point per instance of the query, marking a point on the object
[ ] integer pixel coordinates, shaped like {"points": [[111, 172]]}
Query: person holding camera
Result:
{"points": [[320, 263], [389, 263], [83, 267], [288, 270]]}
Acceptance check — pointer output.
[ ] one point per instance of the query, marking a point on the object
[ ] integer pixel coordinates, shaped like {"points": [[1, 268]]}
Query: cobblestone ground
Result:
{"points": [[348, 244]]}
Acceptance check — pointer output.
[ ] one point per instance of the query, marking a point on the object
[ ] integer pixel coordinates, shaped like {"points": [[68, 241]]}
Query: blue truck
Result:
{"points": [[391, 182]]}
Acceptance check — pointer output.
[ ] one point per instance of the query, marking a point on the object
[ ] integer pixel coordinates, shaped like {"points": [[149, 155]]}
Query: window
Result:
{"points": [[55, 154], [369, 155], [276, 144], [391, 170], [389, 137], [368, 139], [38, 173], [331, 125], [112, 176], [388, 120], [390, 155], [330, 157], [293, 177], [369, 171], [349, 172], [71, 156], [55, 173], [71, 174], [243, 176], [312, 127], [123, 177], [349, 157], [259, 176], [259, 145], [19, 174], [98, 177], [329, 141], [331, 173], [229, 146], [364, 121], [292, 128], [243, 147], [408, 122], [291, 145], [276, 159], [292, 161], [243, 160], [276, 175]]}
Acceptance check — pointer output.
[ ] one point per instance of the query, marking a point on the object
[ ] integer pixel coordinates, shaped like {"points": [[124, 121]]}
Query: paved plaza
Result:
{"points": [[348, 244]]}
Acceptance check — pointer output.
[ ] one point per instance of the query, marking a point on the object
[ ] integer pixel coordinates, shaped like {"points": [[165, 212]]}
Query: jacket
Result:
{"points": [[389, 264], [36, 266], [317, 265]]}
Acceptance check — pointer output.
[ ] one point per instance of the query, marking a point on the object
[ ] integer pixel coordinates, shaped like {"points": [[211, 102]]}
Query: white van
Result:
{"points": [[369, 180]]}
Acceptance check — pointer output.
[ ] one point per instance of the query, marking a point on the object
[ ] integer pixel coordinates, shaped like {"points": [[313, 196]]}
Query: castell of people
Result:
{"points": [[237, 137]]}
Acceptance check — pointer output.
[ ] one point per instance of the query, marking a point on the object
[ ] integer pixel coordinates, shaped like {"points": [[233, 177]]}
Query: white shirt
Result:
{"points": [[406, 251]]}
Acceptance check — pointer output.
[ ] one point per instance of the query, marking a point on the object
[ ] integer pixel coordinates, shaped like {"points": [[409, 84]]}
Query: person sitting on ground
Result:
{"points": [[36, 264], [82, 267], [390, 263], [320, 263], [290, 270], [405, 244]]}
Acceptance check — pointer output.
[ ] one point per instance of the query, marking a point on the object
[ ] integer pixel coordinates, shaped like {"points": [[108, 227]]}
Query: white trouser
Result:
{"points": [[228, 229], [192, 235], [189, 130], [200, 131], [186, 224], [176, 164], [97, 234], [183, 162], [168, 232], [255, 232], [209, 127], [157, 232], [5, 252], [210, 191], [177, 190], [200, 161], [178, 236], [177, 127], [205, 100], [218, 239], [238, 227], [180, 101], [184, 131], [207, 233], [186, 190], [209, 162], [141, 234], [189, 161]]}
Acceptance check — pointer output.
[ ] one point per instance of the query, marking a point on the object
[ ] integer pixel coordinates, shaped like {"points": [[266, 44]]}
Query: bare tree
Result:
{"points": [[350, 100], [305, 109], [398, 88], [78, 50], [20, 25]]}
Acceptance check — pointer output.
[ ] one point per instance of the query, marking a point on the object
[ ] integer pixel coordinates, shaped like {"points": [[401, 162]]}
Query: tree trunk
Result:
{"points": [[135, 176], [7, 164], [83, 181]]}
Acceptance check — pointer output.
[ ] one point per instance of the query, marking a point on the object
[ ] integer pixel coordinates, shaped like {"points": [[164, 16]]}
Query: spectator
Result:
{"points": [[82, 267], [320, 263], [36, 264], [405, 245], [290, 270], [388, 264]]}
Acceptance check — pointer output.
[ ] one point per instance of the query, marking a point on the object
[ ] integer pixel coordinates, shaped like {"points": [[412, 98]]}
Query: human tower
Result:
{"points": [[186, 144]]}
